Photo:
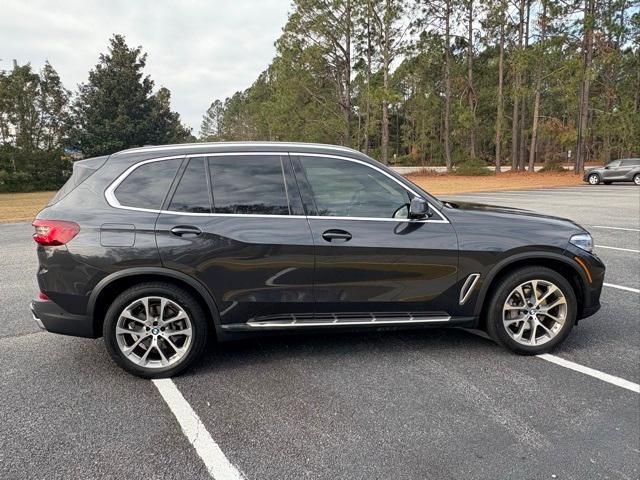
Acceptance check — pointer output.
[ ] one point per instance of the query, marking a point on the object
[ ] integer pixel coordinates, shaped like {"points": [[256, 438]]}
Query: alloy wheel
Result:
{"points": [[534, 312], [594, 179], [154, 332]]}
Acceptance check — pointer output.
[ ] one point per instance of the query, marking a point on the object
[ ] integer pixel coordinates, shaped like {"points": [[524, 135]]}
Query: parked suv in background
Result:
{"points": [[624, 170], [156, 248]]}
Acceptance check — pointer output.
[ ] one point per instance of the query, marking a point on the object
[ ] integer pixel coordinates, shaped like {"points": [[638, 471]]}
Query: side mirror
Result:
{"points": [[607, 167], [419, 208]]}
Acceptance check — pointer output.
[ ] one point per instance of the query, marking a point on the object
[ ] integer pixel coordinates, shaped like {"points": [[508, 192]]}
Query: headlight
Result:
{"points": [[583, 241]]}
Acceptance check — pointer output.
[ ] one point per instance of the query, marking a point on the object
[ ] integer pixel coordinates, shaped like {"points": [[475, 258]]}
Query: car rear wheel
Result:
{"points": [[636, 179], [594, 179], [532, 310], [155, 330]]}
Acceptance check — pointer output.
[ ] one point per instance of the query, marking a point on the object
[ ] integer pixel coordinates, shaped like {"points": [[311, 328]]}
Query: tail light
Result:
{"points": [[54, 232]]}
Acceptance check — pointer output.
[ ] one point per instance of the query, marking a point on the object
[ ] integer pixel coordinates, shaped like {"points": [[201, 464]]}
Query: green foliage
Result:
{"points": [[473, 168], [553, 166], [302, 94], [116, 109], [39, 170]]}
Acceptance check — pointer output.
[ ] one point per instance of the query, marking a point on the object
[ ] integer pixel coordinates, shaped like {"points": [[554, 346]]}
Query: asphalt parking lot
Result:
{"points": [[376, 405]]}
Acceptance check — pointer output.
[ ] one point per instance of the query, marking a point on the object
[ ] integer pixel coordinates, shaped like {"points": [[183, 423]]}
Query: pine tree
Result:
{"points": [[116, 109]]}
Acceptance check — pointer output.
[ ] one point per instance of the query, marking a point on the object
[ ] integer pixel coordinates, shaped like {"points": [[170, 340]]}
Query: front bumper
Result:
{"points": [[49, 316], [592, 282]]}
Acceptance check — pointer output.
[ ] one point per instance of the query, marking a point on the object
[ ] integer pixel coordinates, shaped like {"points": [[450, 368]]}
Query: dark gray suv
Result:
{"points": [[624, 170], [159, 248]]}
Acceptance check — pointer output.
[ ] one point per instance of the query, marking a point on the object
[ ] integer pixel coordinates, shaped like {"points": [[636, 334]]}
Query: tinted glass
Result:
{"points": [[342, 188], [192, 194], [632, 162], [615, 163], [147, 185], [244, 184]]}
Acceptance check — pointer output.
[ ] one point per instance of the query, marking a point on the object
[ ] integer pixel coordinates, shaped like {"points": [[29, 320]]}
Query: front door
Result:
{"points": [[234, 223], [372, 262]]}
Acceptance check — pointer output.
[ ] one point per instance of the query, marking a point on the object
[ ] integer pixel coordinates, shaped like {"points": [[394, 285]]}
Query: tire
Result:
{"points": [[636, 179], [153, 350], [593, 179], [505, 296]]}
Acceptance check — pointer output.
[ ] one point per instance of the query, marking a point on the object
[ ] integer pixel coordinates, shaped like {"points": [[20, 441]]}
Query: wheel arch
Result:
{"points": [[565, 266], [597, 174], [111, 286]]}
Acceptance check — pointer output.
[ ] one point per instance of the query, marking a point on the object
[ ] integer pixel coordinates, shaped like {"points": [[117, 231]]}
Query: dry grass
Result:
{"points": [[450, 184], [19, 207]]}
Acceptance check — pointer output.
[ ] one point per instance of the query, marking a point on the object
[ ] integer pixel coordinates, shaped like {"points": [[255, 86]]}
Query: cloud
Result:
{"points": [[200, 50]]}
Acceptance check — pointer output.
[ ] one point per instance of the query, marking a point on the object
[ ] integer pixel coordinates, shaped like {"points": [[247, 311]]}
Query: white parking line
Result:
{"points": [[618, 248], [620, 287], [218, 465], [605, 377], [617, 228]]}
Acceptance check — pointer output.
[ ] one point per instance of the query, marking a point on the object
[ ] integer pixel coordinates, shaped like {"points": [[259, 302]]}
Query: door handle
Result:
{"points": [[341, 235], [184, 230]]}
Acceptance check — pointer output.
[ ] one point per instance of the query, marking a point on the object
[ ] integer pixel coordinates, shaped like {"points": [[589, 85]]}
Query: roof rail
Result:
{"points": [[204, 145]]}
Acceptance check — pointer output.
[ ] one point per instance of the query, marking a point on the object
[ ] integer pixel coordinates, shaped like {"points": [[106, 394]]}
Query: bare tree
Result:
{"points": [[587, 57]]}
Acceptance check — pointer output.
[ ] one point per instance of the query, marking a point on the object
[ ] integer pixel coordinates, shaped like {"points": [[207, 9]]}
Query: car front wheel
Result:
{"points": [[532, 310], [155, 330], [636, 179], [594, 179]]}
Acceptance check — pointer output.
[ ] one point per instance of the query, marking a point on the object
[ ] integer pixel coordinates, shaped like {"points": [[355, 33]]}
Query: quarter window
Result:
{"points": [[248, 184], [147, 185], [192, 194], [342, 188]]}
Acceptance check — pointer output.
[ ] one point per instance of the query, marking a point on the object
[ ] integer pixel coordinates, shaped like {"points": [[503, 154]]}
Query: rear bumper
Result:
{"points": [[50, 317]]}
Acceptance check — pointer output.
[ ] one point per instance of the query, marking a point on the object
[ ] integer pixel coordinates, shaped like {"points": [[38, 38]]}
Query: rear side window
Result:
{"points": [[632, 162], [246, 184], [148, 185], [192, 194]]}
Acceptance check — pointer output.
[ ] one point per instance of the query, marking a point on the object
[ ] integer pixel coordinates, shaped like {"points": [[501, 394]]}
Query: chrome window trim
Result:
{"points": [[109, 193], [113, 201]]}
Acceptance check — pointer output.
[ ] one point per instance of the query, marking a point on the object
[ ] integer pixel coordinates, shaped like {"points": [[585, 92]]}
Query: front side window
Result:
{"points": [[192, 193], [248, 184], [614, 164], [148, 185], [342, 188]]}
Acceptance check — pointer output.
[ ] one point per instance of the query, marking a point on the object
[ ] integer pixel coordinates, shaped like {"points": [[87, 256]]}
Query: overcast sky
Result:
{"points": [[200, 50]]}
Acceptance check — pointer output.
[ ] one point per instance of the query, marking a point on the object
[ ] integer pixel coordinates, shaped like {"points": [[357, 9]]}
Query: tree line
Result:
{"points": [[44, 126], [449, 82]]}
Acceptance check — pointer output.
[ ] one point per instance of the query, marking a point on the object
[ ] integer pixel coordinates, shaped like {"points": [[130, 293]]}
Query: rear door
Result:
{"points": [[235, 222], [372, 262]]}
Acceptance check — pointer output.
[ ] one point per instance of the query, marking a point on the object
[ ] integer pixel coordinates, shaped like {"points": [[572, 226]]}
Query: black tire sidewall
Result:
{"points": [[495, 326], [199, 327]]}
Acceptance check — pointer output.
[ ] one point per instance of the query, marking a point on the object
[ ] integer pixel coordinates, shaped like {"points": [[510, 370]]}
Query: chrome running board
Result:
{"points": [[338, 320]]}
